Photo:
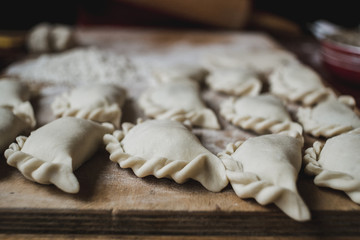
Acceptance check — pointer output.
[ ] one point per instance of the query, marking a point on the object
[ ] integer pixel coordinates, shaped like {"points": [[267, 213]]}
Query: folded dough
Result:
{"points": [[98, 102], [51, 153], [335, 164], [46, 37], [262, 114], [165, 149], [15, 96], [238, 82], [38, 38], [180, 71], [266, 168], [262, 61], [297, 83], [180, 101], [11, 126], [331, 117], [61, 37]]}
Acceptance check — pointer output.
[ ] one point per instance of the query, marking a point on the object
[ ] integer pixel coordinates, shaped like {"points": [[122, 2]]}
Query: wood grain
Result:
{"points": [[113, 202]]}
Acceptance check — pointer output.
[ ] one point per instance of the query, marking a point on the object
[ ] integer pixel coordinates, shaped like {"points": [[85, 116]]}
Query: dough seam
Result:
{"points": [[177, 170], [109, 113], [330, 178], [248, 185], [163, 167], [40, 171], [200, 117], [258, 124], [316, 128]]}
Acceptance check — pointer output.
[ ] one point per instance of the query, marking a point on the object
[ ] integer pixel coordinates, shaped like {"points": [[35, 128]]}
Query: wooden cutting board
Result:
{"points": [[113, 201]]}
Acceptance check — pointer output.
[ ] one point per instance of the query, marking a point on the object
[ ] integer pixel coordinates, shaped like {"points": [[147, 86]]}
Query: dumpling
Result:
{"points": [[266, 168], [262, 114], [62, 37], [98, 102], [336, 164], [51, 153], [262, 61], [179, 101], [10, 127], [46, 37], [38, 38], [238, 82], [15, 96], [180, 71], [330, 117], [298, 83], [165, 149]]}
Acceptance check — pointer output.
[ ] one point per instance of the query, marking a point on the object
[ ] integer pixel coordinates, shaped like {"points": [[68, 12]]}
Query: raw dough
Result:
{"points": [[46, 37], [262, 114], [336, 164], [180, 101], [173, 73], [10, 127], [51, 153], [61, 37], [15, 96], [13, 93], [97, 102], [298, 83], [38, 38], [266, 168], [238, 82], [263, 61], [165, 149], [330, 117]]}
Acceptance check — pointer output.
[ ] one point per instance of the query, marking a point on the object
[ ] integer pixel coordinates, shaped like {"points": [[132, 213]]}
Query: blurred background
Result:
{"points": [[282, 19], [275, 16]]}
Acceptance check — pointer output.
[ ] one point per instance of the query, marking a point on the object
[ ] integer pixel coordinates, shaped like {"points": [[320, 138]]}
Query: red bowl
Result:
{"points": [[343, 60]]}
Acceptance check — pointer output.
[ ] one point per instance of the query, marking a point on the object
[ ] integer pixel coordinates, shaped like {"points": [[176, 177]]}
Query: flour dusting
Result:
{"points": [[76, 66]]}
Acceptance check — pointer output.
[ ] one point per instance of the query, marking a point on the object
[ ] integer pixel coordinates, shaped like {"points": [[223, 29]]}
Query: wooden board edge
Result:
{"points": [[178, 223]]}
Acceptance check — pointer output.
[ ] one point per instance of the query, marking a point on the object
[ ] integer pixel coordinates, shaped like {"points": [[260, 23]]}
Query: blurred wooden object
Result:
{"points": [[229, 14], [272, 23], [11, 39]]}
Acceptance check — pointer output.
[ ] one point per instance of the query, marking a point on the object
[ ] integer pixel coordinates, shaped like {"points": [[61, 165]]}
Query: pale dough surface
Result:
{"points": [[262, 114], [263, 61], [179, 71], [10, 127], [46, 37], [330, 117], [61, 37], [13, 93], [336, 164], [165, 149], [266, 168], [97, 102], [238, 82], [38, 38], [15, 96], [51, 153], [178, 100], [297, 83]]}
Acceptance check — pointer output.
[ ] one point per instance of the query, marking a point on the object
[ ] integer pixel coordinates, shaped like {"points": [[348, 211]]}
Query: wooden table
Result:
{"points": [[114, 203]]}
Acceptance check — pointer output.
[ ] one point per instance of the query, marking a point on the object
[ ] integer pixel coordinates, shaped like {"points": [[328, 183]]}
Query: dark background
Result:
{"points": [[22, 15]]}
